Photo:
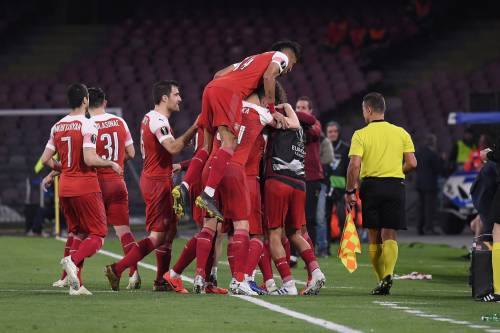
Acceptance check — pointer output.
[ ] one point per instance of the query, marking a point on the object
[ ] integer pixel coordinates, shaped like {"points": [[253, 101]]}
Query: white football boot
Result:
{"points": [[287, 289], [80, 292], [134, 281], [61, 283], [317, 282], [72, 271]]}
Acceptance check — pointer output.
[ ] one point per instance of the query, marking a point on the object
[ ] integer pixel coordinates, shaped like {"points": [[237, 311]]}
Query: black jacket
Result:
{"points": [[429, 169]]}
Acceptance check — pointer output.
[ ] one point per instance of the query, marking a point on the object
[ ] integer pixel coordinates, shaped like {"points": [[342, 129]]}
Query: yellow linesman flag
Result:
{"points": [[349, 245]]}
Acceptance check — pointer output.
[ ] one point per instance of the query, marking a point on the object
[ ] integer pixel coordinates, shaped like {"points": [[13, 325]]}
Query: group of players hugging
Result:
{"points": [[246, 180]]}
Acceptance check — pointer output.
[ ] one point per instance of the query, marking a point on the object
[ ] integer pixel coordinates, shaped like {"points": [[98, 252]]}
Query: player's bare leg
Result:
{"points": [[279, 256], [221, 160], [128, 242], [307, 253], [211, 268], [144, 247], [180, 193]]}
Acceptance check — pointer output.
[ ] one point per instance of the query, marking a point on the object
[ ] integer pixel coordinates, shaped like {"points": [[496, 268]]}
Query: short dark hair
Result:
{"points": [[375, 101], [161, 88], [333, 123], [96, 97], [288, 44], [76, 93], [307, 99], [279, 93]]}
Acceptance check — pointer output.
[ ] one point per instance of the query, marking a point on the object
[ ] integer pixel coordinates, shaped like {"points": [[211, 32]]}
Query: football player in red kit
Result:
{"points": [[157, 147], [221, 112], [114, 143], [74, 138]]}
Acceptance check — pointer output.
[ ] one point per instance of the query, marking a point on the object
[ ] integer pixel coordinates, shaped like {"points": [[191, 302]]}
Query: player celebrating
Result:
{"points": [[285, 205], [157, 147], [74, 139], [221, 111]]}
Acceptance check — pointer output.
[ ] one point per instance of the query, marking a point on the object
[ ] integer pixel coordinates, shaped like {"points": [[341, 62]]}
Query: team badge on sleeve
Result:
{"points": [[93, 139], [164, 130]]}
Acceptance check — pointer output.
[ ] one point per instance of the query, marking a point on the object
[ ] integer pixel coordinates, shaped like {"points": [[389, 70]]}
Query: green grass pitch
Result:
{"points": [[28, 303]]}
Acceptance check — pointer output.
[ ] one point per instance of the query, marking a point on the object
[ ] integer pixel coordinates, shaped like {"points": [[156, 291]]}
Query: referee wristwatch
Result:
{"points": [[353, 191]]}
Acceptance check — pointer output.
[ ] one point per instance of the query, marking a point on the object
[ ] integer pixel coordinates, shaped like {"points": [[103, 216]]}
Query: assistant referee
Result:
{"points": [[381, 154]]}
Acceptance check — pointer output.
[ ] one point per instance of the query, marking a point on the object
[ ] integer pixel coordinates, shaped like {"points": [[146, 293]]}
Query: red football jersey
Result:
{"points": [[112, 139], [252, 167], [155, 129], [247, 75], [254, 119], [68, 137]]}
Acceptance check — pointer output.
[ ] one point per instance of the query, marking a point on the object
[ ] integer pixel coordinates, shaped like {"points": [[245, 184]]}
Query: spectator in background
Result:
{"points": [[313, 168], [338, 29], [337, 179], [326, 156], [460, 151], [474, 162], [428, 171]]}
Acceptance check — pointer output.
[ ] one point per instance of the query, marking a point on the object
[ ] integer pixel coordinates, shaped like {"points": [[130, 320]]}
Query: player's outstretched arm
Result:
{"points": [[91, 159], [47, 159], [269, 80], [175, 146]]}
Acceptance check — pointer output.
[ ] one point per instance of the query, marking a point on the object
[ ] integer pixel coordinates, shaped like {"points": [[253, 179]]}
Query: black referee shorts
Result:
{"points": [[383, 203]]}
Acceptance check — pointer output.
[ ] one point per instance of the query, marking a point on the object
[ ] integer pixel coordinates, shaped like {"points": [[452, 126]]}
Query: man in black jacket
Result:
{"points": [[430, 166]]}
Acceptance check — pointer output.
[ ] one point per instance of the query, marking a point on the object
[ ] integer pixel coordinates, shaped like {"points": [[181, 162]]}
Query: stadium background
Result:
{"points": [[427, 65]]}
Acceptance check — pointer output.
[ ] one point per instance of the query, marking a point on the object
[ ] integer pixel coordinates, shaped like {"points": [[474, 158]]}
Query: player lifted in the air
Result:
{"points": [[221, 112], [157, 147], [74, 139]]}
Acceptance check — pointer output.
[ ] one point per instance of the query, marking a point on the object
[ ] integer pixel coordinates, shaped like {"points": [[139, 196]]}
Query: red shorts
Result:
{"points": [[85, 214], [198, 213], [284, 205], [220, 107], [157, 194], [115, 197], [232, 193], [255, 218]]}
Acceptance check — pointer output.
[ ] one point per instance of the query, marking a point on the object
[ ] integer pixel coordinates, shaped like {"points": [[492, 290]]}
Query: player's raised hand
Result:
{"points": [[280, 120], [116, 168]]}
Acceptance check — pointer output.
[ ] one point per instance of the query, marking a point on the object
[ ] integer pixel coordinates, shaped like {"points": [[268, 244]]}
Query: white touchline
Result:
{"points": [[422, 314], [270, 306]]}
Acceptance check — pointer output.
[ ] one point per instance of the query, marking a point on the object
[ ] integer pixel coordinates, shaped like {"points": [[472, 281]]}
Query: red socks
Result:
{"points": [[310, 260], [286, 245], [254, 252], [230, 255], [284, 268], [240, 244], [309, 240], [196, 166], [203, 248], [265, 263], [87, 248], [187, 256], [143, 248], [128, 243], [218, 166], [163, 256], [67, 248]]}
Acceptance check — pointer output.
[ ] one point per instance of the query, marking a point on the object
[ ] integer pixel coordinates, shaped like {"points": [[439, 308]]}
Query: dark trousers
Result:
{"points": [[312, 194], [428, 202]]}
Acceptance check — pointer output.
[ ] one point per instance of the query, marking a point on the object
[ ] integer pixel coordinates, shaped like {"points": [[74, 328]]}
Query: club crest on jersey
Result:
{"points": [[164, 130]]}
